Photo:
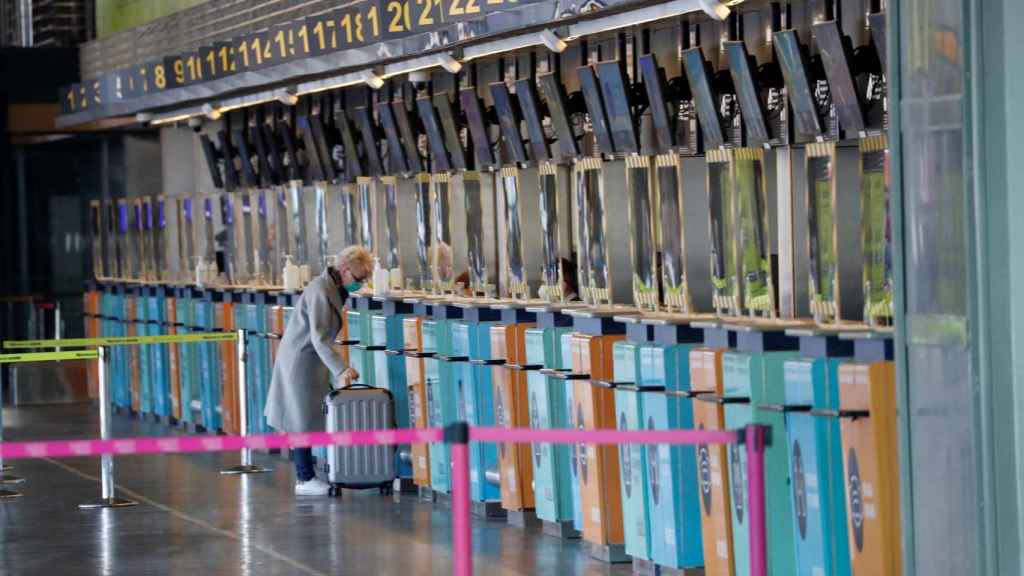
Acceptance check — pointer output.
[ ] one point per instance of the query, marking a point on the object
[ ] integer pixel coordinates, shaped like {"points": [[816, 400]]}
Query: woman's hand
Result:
{"points": [[349, 376]]}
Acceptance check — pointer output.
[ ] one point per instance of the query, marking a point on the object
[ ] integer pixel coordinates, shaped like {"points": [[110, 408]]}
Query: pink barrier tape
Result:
{"points": [[180, 444], [603, 436]]}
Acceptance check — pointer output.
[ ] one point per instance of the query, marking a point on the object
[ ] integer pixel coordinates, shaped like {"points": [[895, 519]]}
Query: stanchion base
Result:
{"points": [[9, 479], [525, 519], [563, 529], [490, 509], [9, 494], [609, 553], [108, 503], [245, 469]]}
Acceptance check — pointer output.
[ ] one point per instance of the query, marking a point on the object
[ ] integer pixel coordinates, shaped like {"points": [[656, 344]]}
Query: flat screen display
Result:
{"points": [[654, 84], [272, 152], [210, 153], [703, 97], [316, 171], [477, 129], [244, 158], [840, 79], [746, 91], [554, 94], [409, 138], [612, 76], [798, 84], [450, 129], [395, 150], [880, 38], [434, 137], [369, 135], [526, 91], [322, 148], [284, 131], [230, 173], [348, 141], [595, 108], [509, 118]]}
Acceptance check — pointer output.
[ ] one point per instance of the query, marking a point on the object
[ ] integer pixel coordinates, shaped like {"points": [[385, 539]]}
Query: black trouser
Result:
{"points": [[303, 458]]}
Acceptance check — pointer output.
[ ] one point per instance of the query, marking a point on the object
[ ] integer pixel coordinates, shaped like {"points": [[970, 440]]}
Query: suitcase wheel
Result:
{"points": [[335, 490]]}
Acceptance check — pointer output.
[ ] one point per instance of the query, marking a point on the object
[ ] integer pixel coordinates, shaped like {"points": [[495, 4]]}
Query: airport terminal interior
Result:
{"points": [[510, 287]]}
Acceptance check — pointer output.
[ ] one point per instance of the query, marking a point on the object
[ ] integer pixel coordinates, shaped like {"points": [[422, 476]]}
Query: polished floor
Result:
{"points": [[192, 520]]}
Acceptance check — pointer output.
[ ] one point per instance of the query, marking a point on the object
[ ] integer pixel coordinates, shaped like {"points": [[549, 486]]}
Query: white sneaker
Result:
{"points": [[314, 487]]}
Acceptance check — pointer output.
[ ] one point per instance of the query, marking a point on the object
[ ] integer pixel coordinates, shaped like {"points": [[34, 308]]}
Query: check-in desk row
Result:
{"points": [[194, 384], [828, 401]]}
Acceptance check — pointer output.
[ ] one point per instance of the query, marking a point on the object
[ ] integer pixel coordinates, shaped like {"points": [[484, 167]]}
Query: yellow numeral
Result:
{"points": [[472, 7], [225, 61], [425, 18], [318, 30], [455, 9], [399, 16], [371, 15], [243, 49], [179, 71], [304, 34], [160, 76]]}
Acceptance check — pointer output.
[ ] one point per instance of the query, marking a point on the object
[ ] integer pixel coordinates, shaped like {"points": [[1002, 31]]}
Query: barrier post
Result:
{"points": [[5, 493], [107, 497], [246, 467], [457, 435], [755, 440]]}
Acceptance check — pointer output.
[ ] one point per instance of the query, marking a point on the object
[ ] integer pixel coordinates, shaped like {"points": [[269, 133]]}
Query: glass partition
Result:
{"points": [[366, 214], [443, 261], [245, 249], [424, 237], [582, 261], [320, 255], [750, 192], [186, 239], [135, 242], [263, 233], [96, 237], [641, 217], [673, 249], [550, 267], [209, 247], [161, 271], [876, 238], [725, 278], [226, 238], [474, 232], [589, 178], [350, 222], [297, 227], [285, 239], [517, 281], [821, 230], [391, 258]]}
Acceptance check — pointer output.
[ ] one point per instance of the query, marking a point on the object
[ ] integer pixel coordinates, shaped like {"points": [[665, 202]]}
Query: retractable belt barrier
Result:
{"points": [[457, 435]]}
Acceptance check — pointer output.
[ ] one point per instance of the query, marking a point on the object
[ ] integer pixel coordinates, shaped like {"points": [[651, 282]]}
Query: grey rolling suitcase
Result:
{"points": [[360, 407]]}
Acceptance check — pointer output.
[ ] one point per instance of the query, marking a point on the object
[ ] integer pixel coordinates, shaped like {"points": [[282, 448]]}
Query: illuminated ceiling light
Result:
{"points": [[332, 83], [143, 117], [171, 118], [372, 80], [713, 8], [210, 111], [243, 103], [552, 41], [449, 63], [287, 96]]}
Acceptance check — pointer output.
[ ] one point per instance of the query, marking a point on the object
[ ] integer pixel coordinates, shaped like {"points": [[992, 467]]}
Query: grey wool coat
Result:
{"points": [[306, 360]]}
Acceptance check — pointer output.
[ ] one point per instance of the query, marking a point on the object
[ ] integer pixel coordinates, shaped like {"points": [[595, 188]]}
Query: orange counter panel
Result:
{"points": [[512, 410], [412, 341]]}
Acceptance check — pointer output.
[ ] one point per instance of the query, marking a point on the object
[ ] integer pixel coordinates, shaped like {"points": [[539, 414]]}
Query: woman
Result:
{"points": [[306, 359]]}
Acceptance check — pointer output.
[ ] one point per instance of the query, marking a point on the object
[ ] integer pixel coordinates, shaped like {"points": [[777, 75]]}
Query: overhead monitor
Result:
{"points": [[226, 152], [703, 97], [793, 62], [368, 132], [617, 105], [323, 149], [654, 83], [450, 129], [595, 108], [354, 165], [554, 94], [313, 160], [477, 128], [284, 131], [746, 91], [409, 139], [244, 157], [835, 58], [526, 92], [509, 118], [210, 153], [273, 152], [428, 115], [879, 36], [394, 139]]}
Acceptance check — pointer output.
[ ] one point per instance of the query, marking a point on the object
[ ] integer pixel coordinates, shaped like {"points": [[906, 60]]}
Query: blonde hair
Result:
{"points": [[356, 257]]}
